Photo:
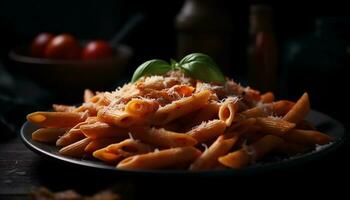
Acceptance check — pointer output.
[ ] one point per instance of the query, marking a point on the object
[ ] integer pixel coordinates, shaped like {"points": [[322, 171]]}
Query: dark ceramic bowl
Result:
{"points": [[70, 74]]}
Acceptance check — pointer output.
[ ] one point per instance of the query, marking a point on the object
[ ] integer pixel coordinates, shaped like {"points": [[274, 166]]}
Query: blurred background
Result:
{"points": [[287, 48]]}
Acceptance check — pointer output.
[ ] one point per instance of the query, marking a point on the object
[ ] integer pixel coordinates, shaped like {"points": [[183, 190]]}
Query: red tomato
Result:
{"points": [[63, 46], [98, 49], [37, 48]]}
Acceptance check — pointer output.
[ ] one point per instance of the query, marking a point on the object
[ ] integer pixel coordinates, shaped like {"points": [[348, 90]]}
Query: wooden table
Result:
{"points": [[21, 170]]}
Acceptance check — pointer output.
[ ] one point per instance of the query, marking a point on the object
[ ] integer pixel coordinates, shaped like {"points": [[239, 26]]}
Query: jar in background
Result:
{"points": [[205, 26], [262, 49]]}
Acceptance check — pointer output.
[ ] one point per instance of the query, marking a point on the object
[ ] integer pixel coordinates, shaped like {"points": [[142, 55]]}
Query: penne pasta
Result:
{"points": [[76, 149], [48, 135], [267, 97], [181, 107], [227, 111], [307, 137], [161, 137], [99, 144], [116, 152], [88, 95], [281, 108], [209, 158], [69, 137], [249, 154], [63, 108], [206, 113], [129, 147], [160, 159], [255, 112], [208, 130], [119, 118], [106, 156], [299, 111], [90, 108], [141, 107], [103, 130], [72, 135], [272, 125], [56, 119], [290, 148]]}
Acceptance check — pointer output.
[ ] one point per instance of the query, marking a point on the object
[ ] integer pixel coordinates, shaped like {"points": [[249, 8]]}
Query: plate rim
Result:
{"points": [[288, 162]]}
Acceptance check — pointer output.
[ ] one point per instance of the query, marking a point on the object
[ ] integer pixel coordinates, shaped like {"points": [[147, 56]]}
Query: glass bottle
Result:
{"points": [[205, 26], [262, 50]]}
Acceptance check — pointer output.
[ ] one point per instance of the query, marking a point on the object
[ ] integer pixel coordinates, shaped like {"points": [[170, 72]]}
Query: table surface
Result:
{"points": [[21, 170]]}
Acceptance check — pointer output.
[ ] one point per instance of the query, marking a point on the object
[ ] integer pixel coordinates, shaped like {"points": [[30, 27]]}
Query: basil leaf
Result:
{"points": [[151, 67], [202, 67], [200, 70]]}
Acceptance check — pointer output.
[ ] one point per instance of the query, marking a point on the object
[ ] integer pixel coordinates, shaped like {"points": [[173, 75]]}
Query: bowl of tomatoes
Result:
{"points": [[62, 62]]}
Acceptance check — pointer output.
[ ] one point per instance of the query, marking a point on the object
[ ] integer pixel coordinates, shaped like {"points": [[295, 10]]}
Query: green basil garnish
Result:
{"points": [[202, 67], [196, 65], [151, 67]]}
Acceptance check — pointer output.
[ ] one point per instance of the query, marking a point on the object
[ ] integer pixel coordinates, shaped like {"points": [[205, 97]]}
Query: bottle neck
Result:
{"points": [[260, 19], [210, 15]]}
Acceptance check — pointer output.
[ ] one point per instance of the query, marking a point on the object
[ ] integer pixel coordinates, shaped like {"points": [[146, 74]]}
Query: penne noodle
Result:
{"points": [[161, 137], [120, 118], [72, 135], [291, 148], [56, 119], [227, 111], [208, 130], [299, 111], [160, 159], [249, 154], [106, 156], [272, 125], [209, 158], [121, 150], [255, 112], [63, 108], [141, 107], [99, 144], [173, 126], [307, 137], [206, 113], [236, 159], [267, 97], [181, 107], [281, 108], [48, 135], [266, 145], [88, 95], [103, 130], [129, 147], [242, 124], [244, 128], [90, 108], [305, 125], [76, 149]]}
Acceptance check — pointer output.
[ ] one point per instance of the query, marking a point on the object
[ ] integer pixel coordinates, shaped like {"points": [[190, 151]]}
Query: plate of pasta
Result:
{"points": [[183, 117]]}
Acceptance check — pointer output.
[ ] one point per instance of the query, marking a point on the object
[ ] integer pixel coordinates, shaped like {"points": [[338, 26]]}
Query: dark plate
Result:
{"points": [[322, 122]]}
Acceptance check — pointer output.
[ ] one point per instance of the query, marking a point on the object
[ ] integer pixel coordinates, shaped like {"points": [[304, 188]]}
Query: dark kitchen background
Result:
{"points": [[310, 45]]}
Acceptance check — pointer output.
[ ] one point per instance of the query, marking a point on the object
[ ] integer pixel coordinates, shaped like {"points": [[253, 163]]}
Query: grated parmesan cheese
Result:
{"points": [[130, 136]]}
